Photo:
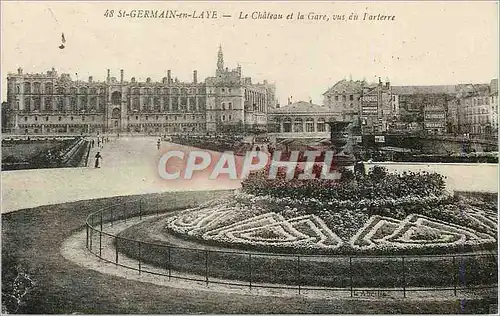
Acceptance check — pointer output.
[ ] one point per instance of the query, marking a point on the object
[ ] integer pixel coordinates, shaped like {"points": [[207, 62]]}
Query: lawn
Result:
{"points": [[31, 241], [329, 271]]}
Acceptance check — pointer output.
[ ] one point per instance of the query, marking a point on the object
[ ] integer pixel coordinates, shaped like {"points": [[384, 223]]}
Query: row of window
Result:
{"points": [[298, 127], [223, 118], [92, 118], [48, 88], [343, 97]]}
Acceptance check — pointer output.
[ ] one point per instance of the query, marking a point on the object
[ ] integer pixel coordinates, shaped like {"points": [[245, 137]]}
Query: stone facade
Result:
{"points": [[301, 118], [53, 103], [477, 114], [344, 99]]}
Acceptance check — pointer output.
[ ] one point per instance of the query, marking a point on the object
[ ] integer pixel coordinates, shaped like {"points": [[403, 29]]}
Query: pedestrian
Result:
{"points": [[98, 142], [98, 160]]}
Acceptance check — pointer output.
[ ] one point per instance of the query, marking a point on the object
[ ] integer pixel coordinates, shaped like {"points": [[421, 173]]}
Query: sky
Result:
{"points": [[427, 43]]}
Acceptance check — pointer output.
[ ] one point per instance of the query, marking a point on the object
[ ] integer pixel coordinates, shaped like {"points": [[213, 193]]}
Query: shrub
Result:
{"points": [[394, 186]]}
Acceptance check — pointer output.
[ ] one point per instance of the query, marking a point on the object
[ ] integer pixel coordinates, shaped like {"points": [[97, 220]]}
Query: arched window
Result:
{"points": [[287, 125], [157, 103], [309, 125], [72, 90], [157, 91], [48, 88], [135, 104], [93, 91], [116, 113], [60, 90], [27, 87], [48, 103], [320, 125], [36, 87], [83, 102], [116, 98], [175, 104], [60, 104], [27, 104], [93, 103], [36, 104], [298, 126]]}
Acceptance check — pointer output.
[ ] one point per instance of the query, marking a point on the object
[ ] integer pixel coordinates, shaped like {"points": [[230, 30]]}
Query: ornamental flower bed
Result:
{"points": [[380, 213], [245, 221], [377, 184]]}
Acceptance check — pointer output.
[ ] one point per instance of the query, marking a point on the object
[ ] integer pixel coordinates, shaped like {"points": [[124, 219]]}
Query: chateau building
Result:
{"points": [[54, 103]]}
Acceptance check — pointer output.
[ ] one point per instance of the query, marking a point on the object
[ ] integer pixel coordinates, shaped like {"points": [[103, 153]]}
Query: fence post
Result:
{"points": [[140, 209], [454, 276], [250, 269], [169, 264], [91, 237], [117, 239], [298, 271], [157, 205], [350, 275], [206, 266], [87, 229], [139, 255], [404, 276], [101, 220], [100, 244]]}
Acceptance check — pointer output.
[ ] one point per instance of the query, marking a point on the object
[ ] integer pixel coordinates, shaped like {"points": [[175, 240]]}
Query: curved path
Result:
{"points": [[129, 167], [51, 205], [32, 240], [75, 249]]}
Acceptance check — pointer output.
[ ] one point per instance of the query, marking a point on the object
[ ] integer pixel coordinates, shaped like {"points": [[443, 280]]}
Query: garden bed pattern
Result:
{"points": [[415, 231], [231, 222]]}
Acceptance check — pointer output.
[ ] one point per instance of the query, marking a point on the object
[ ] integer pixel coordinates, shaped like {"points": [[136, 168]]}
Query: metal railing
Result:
{"points": [[356, 275]]}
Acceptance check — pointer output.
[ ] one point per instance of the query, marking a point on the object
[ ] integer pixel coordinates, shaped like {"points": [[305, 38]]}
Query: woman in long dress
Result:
{"points": [[98, 160]]}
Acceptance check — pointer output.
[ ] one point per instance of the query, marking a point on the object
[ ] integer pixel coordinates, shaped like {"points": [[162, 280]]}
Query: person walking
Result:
{"points": [[98, 158], [158, 144]]}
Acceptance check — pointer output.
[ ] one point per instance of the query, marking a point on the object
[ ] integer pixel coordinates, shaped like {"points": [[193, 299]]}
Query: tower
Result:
{"points": [[220, 59]]}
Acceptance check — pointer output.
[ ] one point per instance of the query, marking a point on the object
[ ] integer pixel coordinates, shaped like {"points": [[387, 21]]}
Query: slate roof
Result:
{"points": [[406, 90], [347, 86], [301, 107]]}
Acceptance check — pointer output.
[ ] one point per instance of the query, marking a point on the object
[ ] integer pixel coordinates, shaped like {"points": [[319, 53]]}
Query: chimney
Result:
{"points": [[108, 75], [169, 76], [387, 84], [195, 76], [148, 80], [121, 76], [132, 80], [19, 71], [91, 79]]}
